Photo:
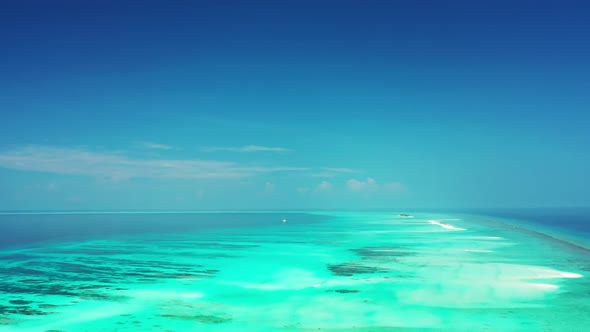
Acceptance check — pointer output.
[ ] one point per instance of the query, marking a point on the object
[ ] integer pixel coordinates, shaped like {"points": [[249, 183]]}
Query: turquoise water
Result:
{"points": [[329, 271]]}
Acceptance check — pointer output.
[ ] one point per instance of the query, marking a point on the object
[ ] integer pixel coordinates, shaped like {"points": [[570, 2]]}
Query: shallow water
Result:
{"points": [[331, 271]]}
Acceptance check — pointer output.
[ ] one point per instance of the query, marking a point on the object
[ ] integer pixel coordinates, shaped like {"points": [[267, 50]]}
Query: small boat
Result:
{"points": [[284, 220]]}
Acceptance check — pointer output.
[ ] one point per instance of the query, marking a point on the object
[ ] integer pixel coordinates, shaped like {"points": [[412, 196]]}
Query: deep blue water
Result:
{"points": [[27, 229], [574, 220]]}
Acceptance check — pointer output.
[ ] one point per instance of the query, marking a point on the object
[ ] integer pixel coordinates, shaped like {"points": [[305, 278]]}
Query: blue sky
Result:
{"points": [[294, 104]]}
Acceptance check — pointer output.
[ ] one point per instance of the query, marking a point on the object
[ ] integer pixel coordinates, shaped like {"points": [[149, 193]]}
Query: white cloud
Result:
{"points": [[394, 186], [269, 187], [354, 184], [246, 148], [325, 185], [330, 172], [155, 146], [357, 185], [371, 185], [323, 175], [105, 164]]}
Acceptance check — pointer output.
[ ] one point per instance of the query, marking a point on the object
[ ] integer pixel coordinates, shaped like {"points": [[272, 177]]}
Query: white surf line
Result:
{"points": [[554, 274], [570, 275], [546, 286], [483, 238], [445, 226], [477, 250]]}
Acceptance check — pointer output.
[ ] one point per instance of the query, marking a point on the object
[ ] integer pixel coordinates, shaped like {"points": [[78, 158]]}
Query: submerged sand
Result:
{"points": [[353, 272]]}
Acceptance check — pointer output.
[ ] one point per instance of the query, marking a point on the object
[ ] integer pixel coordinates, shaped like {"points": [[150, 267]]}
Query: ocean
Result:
{"points": [[501, 270]]}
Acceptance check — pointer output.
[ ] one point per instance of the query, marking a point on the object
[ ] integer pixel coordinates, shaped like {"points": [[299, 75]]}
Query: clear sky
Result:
{"points": [[294, 104]]}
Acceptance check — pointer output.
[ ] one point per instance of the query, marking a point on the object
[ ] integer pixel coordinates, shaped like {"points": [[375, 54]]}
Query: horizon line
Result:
{"points": [[289, 210]]}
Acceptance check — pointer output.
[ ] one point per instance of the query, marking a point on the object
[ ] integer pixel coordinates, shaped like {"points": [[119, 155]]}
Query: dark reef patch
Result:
{"points": [[22, 271], [85, 287], [371, 259], [79, 276], [99, 273], [39, 289], [71, 267], [225, 245], [21, 310], [102, 297], [346, 291], [205, 319], [32, 281], [16, 257], [387, 252], [351, 268], [47, 305]]}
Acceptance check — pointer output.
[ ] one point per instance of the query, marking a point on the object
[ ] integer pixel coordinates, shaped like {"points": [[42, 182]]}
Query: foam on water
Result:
{"points": [[445, 225]]}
